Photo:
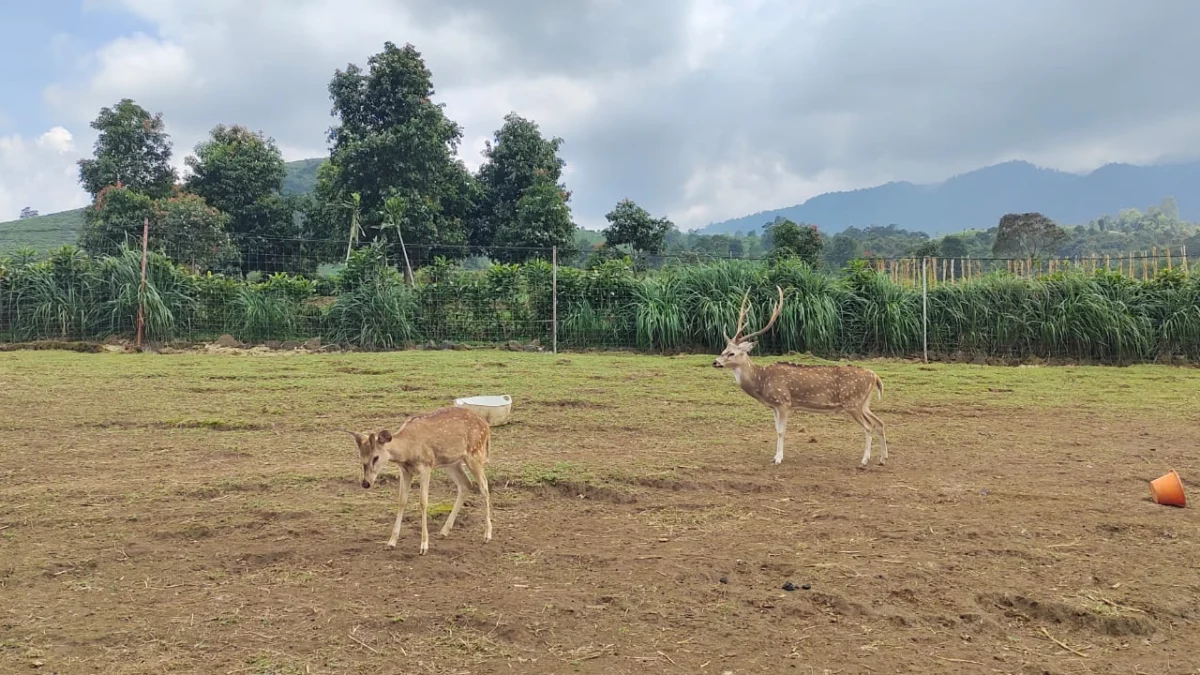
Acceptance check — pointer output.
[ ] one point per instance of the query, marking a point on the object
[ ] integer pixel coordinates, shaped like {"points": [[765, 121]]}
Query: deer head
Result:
{"points": [[737, 348], [371, 452]]}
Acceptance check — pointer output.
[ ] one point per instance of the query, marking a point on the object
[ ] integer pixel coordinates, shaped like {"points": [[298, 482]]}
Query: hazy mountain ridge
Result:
{"points": [[979, 198]]}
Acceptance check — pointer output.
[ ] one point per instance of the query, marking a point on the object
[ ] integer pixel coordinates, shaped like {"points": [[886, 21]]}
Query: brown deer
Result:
{"points": [[784, 387], [450, 438]]}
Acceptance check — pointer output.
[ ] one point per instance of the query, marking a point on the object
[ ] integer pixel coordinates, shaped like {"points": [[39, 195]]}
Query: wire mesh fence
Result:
{"points": [[380, 295]]}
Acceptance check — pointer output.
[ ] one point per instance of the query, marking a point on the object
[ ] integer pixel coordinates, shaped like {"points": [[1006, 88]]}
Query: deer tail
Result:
{"points": [[879, 388]]}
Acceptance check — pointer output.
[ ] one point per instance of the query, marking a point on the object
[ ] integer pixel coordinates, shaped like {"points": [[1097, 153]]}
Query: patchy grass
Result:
{"points": [[201, 513]]}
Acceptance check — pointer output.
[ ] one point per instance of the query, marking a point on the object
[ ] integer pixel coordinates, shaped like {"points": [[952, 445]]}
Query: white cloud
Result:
{"points": [[40, 173], [700, 109]]}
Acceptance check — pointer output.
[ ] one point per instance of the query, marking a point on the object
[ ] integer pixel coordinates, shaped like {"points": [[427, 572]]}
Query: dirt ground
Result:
{"points": [[199, 514]]}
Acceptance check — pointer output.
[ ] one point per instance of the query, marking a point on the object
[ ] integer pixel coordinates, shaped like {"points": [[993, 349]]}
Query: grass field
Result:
{"points": [[199, 514], [41, 233]]}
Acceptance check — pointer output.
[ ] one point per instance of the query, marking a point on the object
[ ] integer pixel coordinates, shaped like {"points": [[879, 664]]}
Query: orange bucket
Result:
{"points": [[1168, 489]]}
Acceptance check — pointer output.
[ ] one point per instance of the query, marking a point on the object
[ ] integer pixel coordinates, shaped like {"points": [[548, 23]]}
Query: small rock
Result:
{"points": [[789, 586], [724, 580], [812, 439], [806, 587]]}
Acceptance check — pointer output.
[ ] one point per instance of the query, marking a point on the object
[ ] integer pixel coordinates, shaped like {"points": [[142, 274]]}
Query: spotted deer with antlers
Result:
{"points": [[784, 387]]}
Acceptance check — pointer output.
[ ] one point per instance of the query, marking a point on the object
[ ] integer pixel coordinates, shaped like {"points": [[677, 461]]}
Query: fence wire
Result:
{"points": [[286, 292]]}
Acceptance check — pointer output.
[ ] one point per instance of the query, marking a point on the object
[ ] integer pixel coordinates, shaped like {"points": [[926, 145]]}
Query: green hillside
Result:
{"points": [[52, 230]]}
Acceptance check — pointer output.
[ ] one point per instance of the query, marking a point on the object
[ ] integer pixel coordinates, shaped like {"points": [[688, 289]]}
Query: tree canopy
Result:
{"points": [[132, 149], [1027, 235], [633, 226]]}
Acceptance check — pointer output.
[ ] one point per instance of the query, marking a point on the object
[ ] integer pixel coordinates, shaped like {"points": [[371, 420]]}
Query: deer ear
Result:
{"points": [[385, 436], [747, 346]]}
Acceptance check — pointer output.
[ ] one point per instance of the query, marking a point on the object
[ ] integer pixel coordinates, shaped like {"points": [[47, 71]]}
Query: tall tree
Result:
{"points": [[132, 149], [392, 139], [633, 226], [542, 220], [28, 212], [790, 240], [114, 218], [953, 246], [930, 248], [241, 172], [841, 250], [519, 159], [189, 231], [1027, 235]]}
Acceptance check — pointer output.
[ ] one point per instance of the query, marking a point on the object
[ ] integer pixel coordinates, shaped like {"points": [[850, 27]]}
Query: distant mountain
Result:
{"points": [[55, 229], [978, 199]]}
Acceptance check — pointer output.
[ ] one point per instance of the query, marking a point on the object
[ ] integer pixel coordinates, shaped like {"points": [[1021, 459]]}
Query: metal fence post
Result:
{"points": [[141, 315], [554, 299], [925, 309]]}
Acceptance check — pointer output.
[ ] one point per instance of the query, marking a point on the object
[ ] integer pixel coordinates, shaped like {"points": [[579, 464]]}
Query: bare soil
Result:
{"points": [[160, 518]]}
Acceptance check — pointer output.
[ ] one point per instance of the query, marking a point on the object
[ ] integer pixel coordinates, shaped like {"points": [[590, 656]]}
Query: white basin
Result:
{"points": [[495, 410]]}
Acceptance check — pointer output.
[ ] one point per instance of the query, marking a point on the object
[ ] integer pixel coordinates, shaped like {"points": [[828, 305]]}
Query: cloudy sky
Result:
{"points": [[698, 109]]}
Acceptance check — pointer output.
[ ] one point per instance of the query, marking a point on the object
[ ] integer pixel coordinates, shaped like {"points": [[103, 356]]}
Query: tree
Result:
{"points": [[132, 150], [240, 172], [929, 248], [631, 225], [954, 247], [28, 212], [791, 240], [841, 250], [519, 159], [113, 219], [542, 220], [1028, 235], [392, 139], [189, 231]]}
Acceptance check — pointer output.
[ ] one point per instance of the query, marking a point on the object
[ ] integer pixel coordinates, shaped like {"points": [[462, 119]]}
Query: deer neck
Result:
{"points": [[747, 377]]}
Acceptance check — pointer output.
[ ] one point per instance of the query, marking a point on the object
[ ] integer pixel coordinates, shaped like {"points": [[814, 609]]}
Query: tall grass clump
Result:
{"points": [[374, 309], [712, 294], [1173, 302], [661, 324], [272, 309], [1071, 318], [811, 319], [54, 298], [881, 317], [170, 300]]}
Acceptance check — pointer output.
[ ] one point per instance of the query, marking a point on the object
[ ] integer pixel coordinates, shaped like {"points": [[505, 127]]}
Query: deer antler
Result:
{"points": [[774, 316], [741, 319]]}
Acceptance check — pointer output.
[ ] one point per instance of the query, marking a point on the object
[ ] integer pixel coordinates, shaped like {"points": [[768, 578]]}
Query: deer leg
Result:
{"points": [[781, 415], [424, 472], [402, 495], [464, 486], [862, 421], [878, 423], [476, 468]]}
